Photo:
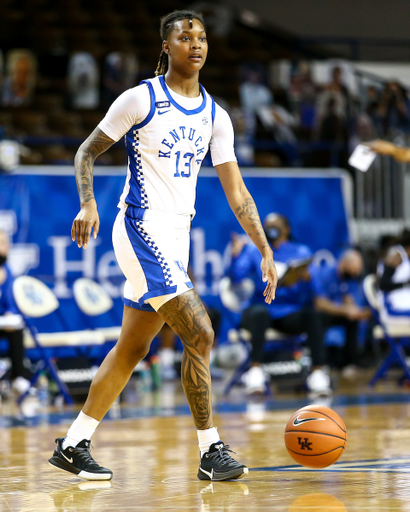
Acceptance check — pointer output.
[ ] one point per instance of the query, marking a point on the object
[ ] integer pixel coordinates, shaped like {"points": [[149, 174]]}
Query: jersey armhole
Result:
{"points": [[152, 109]]}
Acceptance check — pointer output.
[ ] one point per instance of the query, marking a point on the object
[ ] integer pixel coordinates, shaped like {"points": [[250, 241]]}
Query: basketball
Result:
{"points": [[315, 436]]}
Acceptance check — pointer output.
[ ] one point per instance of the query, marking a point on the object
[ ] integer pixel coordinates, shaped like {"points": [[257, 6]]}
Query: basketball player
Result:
{"points": [[168, 123]]}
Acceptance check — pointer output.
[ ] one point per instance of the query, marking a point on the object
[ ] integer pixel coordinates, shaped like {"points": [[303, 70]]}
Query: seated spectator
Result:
{"points": [[83, 81], [332, 126], [119, 75], [332, 130], [394, 110], [364, 131], [289, 312], [336, 83], [254, 94], [244, 149], [255, 98], [338, 92], [394, 282], [371, 102], [11, 322], [18, 86], [337, 293], [303, 93]]}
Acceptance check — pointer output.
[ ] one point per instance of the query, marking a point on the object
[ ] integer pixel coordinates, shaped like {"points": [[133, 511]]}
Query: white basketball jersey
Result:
{"points": [[165, 152]]}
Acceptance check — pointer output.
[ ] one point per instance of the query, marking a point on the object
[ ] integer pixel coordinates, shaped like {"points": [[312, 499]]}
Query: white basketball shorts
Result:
{"points": [[152, 250]]}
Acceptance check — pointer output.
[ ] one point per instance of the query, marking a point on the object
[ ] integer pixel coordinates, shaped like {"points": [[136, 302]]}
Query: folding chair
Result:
{"points": [[234, 298], [393, 334], [93, 300], [34, 300]]}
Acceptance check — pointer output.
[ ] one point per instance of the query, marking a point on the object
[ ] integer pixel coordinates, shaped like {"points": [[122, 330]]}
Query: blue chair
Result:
{"points": [[35, 300], [395, 335]]}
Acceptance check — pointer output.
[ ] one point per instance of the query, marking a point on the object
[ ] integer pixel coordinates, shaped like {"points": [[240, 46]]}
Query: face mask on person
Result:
{"points": [[3, 259], [272, 234], [348, 275]]}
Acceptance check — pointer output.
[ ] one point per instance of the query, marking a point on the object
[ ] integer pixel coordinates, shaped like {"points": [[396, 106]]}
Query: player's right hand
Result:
{"points": [[87, 220]]}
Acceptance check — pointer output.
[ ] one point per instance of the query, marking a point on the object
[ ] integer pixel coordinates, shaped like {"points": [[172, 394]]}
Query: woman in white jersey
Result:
{"points": [[168, 123]]}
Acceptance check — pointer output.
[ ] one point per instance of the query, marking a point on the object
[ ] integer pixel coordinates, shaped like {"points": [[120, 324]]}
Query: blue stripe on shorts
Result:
{"points": [[136, 305], [156, 269]]}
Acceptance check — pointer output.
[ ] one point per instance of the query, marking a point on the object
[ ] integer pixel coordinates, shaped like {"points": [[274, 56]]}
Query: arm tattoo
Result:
{"points": [[186, 315], [248, 216], [92, 147]]}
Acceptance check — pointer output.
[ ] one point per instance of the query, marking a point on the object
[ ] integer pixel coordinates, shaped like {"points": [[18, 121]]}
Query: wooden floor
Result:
{"points": [[155, 458]]}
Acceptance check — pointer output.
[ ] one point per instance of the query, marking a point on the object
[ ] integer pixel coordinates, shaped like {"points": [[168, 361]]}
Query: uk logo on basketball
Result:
{"points": [[304, 444]]}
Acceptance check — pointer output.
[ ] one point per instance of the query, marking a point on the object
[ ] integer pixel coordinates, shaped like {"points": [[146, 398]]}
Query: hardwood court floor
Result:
{"points": [[155, 460]]}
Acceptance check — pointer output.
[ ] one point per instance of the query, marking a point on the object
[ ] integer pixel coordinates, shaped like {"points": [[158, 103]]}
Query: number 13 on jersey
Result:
{"points": [[188, 160]]}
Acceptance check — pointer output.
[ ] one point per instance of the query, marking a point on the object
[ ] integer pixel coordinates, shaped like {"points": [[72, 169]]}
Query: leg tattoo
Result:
{"points": [[186, 315]]}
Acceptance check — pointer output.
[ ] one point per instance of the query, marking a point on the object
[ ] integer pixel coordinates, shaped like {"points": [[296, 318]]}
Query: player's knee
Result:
{"points": [[206, 340], [132, 354]]}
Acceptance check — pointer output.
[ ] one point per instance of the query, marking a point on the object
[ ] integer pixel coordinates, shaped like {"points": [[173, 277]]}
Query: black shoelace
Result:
{"points": [[85, 454], [223, 454]]}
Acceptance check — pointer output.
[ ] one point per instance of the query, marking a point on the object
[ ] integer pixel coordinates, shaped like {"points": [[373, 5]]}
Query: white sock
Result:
{"points": [[206, 438], [83, 428]]}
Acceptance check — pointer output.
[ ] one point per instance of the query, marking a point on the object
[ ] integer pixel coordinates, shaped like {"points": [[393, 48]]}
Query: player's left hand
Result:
{"points": [[269, 275]]}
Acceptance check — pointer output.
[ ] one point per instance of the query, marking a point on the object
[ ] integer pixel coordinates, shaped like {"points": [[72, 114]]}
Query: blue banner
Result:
{"points": [[38, 205]]}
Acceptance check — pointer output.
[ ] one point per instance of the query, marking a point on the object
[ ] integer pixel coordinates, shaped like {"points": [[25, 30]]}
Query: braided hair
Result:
{"points": [[167, 25]]}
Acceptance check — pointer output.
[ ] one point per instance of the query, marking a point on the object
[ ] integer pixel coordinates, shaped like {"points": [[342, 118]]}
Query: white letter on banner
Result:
{"points": [[62, 266], [200, 259]]}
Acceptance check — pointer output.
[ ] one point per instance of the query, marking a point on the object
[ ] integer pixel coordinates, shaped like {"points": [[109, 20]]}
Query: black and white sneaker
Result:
{"points": [[78, 461], [217, 464]]}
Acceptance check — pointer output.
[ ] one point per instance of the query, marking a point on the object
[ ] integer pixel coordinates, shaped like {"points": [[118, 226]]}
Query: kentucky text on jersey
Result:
{"points": [[181, 133]]}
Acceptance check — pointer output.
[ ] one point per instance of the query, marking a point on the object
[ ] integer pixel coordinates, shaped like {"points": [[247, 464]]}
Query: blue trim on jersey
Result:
{"points": [[136, 305], [156, 269], [213, 111], [176, 105], [189, 284], [152, 109], [137, 194]]}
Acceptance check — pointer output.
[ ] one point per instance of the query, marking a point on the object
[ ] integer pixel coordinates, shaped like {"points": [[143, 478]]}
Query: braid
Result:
{"points": [[162, 66], [167, 25]]}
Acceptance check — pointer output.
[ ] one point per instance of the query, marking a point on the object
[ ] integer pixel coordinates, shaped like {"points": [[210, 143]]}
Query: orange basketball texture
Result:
{"points": [[315, 436]]}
